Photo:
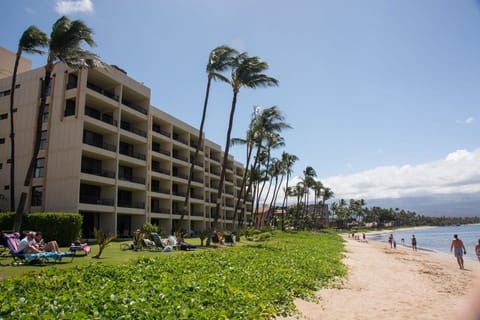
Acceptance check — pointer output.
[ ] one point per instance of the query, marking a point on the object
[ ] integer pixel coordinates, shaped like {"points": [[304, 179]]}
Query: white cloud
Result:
{"points": [[459, 172], [469, 120], [72, 6]]}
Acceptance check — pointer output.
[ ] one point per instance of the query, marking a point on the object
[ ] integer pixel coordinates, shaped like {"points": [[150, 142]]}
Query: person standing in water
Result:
{"points": [[459, 250], [414, 243]]}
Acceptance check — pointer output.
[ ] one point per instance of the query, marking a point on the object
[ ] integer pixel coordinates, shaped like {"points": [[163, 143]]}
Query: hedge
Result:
{"points": [[59, 226]]}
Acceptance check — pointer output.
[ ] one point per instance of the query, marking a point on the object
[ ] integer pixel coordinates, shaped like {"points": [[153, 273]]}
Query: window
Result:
{"points": [[2, 140], [71, 81], [39, 168], [6, 187], [37, 194], [5, 93], [43, 140], [3, 116], [69, 108], [49, 89], [45, 113]]}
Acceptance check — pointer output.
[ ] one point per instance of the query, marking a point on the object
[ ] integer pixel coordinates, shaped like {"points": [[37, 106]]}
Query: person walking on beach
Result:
{"points": [[459, 250], [390, 240], [477, 250], [414, 243]]}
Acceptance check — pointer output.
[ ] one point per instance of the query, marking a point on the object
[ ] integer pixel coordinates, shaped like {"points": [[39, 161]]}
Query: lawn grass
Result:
{"points": [[252, 280]]}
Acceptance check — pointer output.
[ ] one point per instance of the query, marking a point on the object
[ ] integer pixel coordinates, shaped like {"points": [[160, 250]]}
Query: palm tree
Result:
{"points": [[32, 41], [289, 160], [64, 45], [326, 194], [219, 60], [246, 72]]}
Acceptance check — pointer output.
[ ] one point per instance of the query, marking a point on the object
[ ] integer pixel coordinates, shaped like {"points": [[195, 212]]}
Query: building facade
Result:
{"points": [[109, 155]]}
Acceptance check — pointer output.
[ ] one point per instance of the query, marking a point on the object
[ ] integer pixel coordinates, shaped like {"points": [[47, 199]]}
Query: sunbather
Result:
{"points": [[50, 246], [28, 244], [183, 245]]}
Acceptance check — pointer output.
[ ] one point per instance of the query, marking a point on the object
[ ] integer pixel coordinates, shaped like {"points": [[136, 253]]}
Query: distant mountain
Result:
{"points": [[457, 205]]}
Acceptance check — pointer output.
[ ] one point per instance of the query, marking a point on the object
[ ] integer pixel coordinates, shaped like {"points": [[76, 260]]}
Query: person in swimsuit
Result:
{"points": [[414, 243], [477, 250], [458, 250]]}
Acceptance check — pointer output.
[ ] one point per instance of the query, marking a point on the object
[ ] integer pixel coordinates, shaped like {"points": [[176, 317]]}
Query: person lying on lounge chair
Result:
{"points": [[183, 245], [28, 244], [51, 246]]}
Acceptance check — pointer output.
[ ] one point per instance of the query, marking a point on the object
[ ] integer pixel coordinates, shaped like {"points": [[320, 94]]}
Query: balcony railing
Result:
{"points": [[99, 172], [197, 213], [196, 196], [95, 200], [160, 150], [215, 172], [139, 180], [161, 210], [129, 128], [102, 91], [180, 139], [179, 193], [214, 158], [197, 163], [133, 154], [180, 157], [131, 204], [100, 116], [181, 175], [160, 170], [157, 129], [199, 180], [160, 190], [102, 145], [134, 106]]}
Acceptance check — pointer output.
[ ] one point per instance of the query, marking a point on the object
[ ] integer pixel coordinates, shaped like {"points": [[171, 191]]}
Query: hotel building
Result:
{"points": [[109, 155]]}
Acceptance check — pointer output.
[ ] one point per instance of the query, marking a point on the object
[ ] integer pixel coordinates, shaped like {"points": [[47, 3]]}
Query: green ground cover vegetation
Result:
{"points": [[251, 280]]}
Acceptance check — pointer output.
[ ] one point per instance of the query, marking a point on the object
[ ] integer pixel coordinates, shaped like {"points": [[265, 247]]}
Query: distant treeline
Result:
{"points": [[355, 212]]}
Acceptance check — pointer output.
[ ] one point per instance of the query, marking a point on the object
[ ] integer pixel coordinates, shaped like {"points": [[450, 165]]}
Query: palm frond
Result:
{"points": [[32, 40]]}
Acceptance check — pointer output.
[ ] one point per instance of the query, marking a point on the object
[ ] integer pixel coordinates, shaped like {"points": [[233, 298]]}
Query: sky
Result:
{"points": [[382, 95]]}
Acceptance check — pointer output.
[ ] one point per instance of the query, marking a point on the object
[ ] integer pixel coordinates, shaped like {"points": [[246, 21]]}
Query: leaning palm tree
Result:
{"points": [[32, 41], [64, 45], [246, 72], [219, 60]]}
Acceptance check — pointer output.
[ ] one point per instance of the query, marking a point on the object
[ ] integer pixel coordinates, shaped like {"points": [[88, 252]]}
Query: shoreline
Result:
{"points": [[392, 283]]}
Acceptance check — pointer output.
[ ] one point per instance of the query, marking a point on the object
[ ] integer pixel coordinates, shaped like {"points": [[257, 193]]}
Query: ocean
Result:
{"points": [[437, 239]]}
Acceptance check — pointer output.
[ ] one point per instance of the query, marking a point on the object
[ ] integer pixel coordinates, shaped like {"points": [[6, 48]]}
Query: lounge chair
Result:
{"points": [[80, 248], [158, 242], [43, 257]]}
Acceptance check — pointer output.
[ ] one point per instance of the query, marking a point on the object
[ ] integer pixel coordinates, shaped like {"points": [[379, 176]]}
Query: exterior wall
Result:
{"points": [[113, 157], [7, 61]]}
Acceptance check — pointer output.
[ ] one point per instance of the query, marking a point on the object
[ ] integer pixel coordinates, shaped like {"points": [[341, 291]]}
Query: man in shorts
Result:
{"points": [[458, 250]]}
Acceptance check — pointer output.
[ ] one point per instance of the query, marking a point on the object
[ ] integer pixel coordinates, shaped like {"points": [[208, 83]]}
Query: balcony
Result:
{"points": [[100, 116], [214, 158], [199, 180], [179, 193], [131, 204], [99, 172], [98, 144], [180, 139], [196, 213], [158, 129], [133, 154], [102, 91], [160, 210], [160, 190], [134, 106], [181, 176], [128, 127], [196, 196], [197, 163], [139, 180], [179, 156], [95, 200], [161, 170], [157, 148]]}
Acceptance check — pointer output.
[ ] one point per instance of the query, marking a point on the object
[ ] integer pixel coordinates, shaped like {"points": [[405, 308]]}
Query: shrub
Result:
{"points": [[62, 227]]}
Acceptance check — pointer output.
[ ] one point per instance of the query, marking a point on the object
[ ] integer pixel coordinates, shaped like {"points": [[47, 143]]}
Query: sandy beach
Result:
{"points": [[384, 283]]}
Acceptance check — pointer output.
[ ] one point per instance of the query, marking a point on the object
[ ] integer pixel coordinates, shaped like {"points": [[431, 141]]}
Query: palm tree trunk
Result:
{"points": [[12, 131], [285, 203], [197, 150], [225, 160], [36, 148], [244, 180]]}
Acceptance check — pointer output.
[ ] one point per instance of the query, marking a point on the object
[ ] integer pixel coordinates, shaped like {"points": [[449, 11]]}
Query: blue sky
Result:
{"points": [[382, 95]]}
